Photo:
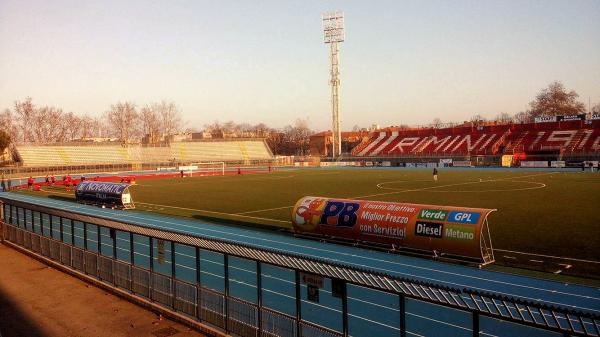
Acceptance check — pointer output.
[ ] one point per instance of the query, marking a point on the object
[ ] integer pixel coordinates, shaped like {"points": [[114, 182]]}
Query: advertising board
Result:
{"points": [[451, 230], [545, 119], [534, 163]]}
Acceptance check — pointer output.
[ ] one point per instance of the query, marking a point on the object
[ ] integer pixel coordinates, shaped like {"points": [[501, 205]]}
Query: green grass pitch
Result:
{"points": [[549, 213]]}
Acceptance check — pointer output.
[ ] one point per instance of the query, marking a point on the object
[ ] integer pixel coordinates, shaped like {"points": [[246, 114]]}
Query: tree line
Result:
{"points": [[554, 100], [29, 123], [128, 123], [155, 122]]}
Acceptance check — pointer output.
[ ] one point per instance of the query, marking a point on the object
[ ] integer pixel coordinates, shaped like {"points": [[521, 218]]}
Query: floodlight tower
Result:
{"points": [[333, 33]]}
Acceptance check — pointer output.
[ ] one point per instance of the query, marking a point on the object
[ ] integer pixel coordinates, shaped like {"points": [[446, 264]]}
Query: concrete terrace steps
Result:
{"points": [[46, 155]]}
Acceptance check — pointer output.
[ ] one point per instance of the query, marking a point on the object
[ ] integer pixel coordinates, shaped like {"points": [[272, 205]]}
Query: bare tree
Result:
{"points": [[8, 124], [555, 100], [261, 130], [503, 118], [437, 123], [522, 117], [25, 112], [169, 116], [151, 123], [48, 125], [215, 129], [87, 127], [74, 127], [122, 118], [477, 118], [4, 141]]}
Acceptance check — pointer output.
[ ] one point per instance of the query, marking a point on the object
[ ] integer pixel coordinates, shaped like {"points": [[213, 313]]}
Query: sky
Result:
{"points": [[403, 62]]}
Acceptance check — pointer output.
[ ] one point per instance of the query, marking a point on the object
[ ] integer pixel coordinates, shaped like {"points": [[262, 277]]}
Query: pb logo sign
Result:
{"points": [[470, 218], [341, 214], [433, 214], [429, 229]]}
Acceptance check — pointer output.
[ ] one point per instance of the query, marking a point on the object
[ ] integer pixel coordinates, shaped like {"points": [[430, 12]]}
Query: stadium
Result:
{"points": [[480, 228], [248, 195]]}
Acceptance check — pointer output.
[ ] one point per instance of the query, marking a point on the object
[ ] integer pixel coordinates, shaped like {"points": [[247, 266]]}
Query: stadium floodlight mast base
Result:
{"points": [[333, 33]]}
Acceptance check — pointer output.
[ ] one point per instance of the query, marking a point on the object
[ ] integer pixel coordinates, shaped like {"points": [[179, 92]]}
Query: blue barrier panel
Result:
{"points": [[67, 225], [21, 217], [278, 289], [91, 234], [327, 311], [494, 327], [123, 244], [55, 225], [37, 222], [161, 256], [106, 242], [242, 279], [46, 225], [78, 234], [212, 270], [185, 263], [141, 251], [7, 213], [29, 220], [428, 319], [372, 312], [13, 215]]}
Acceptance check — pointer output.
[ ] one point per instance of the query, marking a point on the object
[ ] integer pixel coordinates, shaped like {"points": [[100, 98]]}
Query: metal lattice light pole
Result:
{"points": [[333, 33]]}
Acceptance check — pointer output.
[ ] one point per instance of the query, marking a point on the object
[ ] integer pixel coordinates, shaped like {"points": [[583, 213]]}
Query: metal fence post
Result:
{"points": [[259, 293], [83, 259], [62, 239], [151, 279], [298, 304], [1, 222], [226, 301], [173, 287], [402, 310], [131, 257], [114, 244], [99, 250], [475, 324], [198, 284], [344, 308]]}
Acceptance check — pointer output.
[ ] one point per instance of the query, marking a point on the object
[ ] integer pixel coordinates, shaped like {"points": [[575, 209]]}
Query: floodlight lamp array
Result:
{"points": [[333, 27]]}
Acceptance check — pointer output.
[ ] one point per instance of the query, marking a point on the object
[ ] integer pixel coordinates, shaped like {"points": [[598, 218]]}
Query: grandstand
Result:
{"points": [[558, 138], [245, 150]]}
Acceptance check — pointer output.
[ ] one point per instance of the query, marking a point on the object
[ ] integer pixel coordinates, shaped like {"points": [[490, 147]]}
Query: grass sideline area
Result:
{"points": [[553, 214]]}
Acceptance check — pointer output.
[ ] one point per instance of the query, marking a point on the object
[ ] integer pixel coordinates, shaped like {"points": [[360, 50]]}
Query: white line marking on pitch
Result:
{"points": [[190, 209], [400, 191], [264, 210], [212, 212], [543, 255], [449, 185]]}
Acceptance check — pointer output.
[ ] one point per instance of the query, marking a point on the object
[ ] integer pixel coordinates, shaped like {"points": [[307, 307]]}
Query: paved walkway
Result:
{"points": [[36, 300]]}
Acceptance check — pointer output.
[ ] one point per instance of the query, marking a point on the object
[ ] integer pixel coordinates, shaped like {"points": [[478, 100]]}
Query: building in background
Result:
{"points": [[320, 143]]}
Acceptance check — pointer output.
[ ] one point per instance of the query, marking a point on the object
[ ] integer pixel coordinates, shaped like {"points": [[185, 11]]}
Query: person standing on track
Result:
{"points": [[30, 182], [435, 174]]}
